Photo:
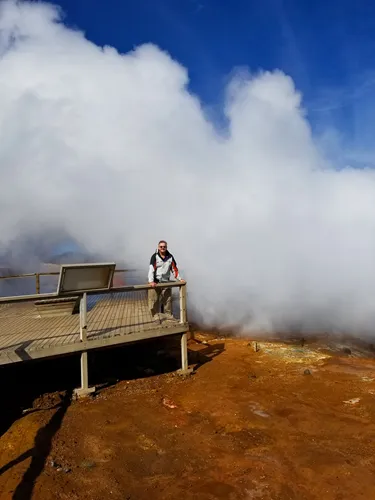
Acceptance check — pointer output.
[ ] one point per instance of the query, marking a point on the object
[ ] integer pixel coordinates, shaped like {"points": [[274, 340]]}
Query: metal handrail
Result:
{"points": [[30, 275], [38, 275], [82, 295], [75, 293]]}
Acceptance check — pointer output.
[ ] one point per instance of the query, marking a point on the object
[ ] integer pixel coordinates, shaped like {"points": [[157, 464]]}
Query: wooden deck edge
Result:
{"points": [[19, 355]]}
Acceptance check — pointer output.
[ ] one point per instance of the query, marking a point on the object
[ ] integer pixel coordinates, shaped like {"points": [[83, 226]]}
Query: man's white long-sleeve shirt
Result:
{"points": [[161, 267]]}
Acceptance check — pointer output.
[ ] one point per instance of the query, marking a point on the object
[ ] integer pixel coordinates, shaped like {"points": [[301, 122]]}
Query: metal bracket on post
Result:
{"points": [[85, 390]]}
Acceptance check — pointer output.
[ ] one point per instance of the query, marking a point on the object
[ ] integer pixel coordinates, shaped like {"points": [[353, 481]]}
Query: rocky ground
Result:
{"points": [[276, 420]]}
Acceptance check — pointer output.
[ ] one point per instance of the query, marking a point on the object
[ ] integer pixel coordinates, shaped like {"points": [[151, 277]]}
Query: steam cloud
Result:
{"points": [[113, 150]]}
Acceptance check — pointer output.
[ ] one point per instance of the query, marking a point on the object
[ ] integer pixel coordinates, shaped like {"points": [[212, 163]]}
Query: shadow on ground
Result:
{"points": [[39, 452], [204, 353], [24, 383]]}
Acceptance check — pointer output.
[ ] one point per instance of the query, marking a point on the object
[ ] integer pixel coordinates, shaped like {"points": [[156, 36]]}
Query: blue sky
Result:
{"points": [[326, 46]]}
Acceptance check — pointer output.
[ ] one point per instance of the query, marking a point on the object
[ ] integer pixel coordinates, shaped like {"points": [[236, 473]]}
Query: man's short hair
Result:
{"points": [[162, 241]]}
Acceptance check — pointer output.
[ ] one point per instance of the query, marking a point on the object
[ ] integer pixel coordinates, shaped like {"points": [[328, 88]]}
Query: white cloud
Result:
{"points": [[115, 150]]}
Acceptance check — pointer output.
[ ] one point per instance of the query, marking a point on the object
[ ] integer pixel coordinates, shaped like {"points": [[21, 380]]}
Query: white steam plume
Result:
{"points": [[115, 151]]}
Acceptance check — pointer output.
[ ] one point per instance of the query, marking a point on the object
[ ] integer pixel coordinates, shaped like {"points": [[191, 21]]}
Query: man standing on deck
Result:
{"points": [[161, 264]]}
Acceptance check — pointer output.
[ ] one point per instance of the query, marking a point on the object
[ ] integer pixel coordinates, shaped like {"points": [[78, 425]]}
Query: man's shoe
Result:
{"points": [[169, 317]]}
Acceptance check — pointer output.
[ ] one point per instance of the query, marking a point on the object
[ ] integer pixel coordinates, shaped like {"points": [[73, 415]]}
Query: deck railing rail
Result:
{"points": [[37, 276]]}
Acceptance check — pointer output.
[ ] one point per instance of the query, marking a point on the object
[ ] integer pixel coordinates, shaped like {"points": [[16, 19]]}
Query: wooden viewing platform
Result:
{"points": [[29, 331]]}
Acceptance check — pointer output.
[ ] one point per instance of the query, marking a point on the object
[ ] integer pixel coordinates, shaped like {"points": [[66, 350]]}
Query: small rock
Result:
{"points": [[59, 469], [169, 403], [88, 464], [353, 401], [307, 372], [346, 350], [67, 470], [252, 375]]}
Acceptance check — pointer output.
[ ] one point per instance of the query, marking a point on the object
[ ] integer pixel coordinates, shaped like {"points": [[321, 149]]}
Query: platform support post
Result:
{"points": [[84, 390], [84, 371], [185, 370], [184, 353]]}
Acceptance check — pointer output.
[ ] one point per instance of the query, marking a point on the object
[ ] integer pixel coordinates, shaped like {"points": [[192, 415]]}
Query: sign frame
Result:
{"points": [[68, 268]]}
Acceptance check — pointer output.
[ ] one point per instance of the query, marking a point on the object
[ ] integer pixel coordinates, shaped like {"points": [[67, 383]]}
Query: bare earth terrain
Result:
{"points": [[291, 421]]}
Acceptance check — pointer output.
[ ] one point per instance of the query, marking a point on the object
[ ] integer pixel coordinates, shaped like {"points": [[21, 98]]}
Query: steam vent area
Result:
{"points": [[103, 400]]}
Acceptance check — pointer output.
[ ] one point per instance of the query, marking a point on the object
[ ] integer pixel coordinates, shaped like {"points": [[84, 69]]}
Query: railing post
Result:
{"points": [[183, 315], [184, 337], [37, 283], [83, 318]]}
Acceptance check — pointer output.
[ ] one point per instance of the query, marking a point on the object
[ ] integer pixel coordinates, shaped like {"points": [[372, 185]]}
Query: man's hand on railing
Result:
{"points": [[153, 284]]}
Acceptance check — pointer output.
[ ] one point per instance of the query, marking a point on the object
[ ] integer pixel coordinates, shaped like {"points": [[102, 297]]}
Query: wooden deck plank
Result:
{"points": [[112, 320]]}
